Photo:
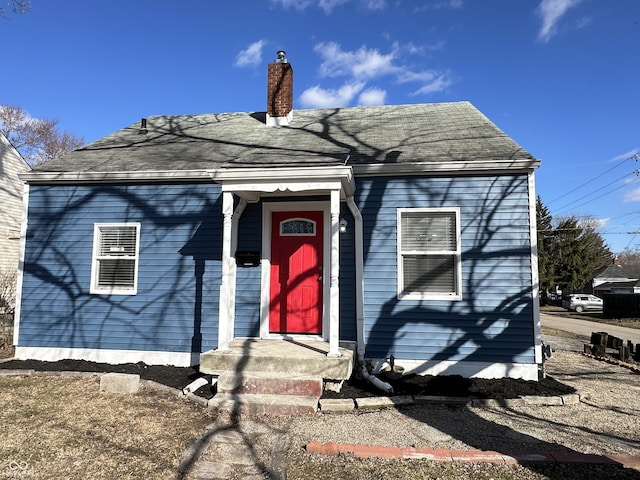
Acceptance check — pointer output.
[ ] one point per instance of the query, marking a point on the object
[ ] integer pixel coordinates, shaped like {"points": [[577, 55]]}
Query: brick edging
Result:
{"points": [[471, 456]]}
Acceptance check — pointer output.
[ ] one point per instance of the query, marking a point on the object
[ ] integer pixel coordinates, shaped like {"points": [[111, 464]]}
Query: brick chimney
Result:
{"points": [[280, 91]]}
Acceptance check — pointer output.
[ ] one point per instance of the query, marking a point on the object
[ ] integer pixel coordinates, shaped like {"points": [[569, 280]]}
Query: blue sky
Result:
{"points": [[559, 76]]}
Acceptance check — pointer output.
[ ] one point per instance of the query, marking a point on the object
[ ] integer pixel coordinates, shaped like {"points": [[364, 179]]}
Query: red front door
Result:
{"points": [[296, 273]]}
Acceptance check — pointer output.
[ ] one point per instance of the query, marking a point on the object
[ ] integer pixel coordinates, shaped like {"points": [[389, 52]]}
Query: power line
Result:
{"points": [[582, 199], [621, 162]]}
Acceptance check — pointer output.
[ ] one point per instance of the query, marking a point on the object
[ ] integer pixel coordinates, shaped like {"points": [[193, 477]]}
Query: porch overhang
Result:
{"points": [[251, 184]]}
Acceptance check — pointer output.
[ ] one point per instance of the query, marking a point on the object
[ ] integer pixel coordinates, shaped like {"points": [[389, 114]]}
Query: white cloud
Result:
{"points": [[297, 4], [361, 64], [329, 5], [318, 97], [632, 196], [437, 83], [365, 65], [372, 96], [250, 56], [551, 11], [375, 4], [630, 155], [439, 5]]}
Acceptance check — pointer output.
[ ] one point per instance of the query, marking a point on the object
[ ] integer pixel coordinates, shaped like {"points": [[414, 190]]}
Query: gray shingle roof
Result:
{"points": [[619, 271], [433, 133]]}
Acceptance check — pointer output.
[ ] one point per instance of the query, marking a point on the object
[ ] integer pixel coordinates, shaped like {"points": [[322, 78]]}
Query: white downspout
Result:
{"points": [[359, 246]]}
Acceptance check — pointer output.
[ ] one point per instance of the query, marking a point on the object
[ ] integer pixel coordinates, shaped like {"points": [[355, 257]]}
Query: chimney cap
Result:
{"points": [[281, 57]]}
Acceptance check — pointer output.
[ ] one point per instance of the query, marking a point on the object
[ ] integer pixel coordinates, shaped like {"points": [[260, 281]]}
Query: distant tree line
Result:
{"points": [[570, 252]]}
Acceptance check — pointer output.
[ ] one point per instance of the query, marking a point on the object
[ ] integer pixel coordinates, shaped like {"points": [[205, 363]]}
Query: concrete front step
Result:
{"points": [[254, 404], [294, 358], [269, 384]]}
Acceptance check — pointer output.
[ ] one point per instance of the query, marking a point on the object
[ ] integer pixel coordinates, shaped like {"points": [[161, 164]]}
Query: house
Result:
{"points": [[11, 165], [404, 230], [616, 278]]}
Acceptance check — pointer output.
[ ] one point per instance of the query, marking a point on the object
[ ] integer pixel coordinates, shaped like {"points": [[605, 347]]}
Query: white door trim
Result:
{"points": [[265, 283]]}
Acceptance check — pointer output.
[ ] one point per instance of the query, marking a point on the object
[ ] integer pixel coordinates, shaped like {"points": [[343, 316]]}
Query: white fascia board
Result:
{"points": [[286, 179], [109, 177], [441, 168]]}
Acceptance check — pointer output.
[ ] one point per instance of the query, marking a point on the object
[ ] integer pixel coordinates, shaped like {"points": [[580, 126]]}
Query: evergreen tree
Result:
{"points": [[544, 229], [578, 252], [569, 253]]}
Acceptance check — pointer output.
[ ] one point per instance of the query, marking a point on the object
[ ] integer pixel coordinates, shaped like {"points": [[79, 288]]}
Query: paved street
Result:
{"points": [[585, 328]]}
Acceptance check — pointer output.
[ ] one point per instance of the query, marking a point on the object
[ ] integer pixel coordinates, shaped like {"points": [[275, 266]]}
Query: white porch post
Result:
{"points": [[334, 288], [223, 307]]}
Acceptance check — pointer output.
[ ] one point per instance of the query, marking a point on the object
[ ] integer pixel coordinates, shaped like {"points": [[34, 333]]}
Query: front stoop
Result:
{"points": [[279, 356], [275, 377]]}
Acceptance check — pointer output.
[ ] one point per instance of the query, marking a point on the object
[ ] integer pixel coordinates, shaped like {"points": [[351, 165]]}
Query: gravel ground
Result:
{"points": [[606, 422]]}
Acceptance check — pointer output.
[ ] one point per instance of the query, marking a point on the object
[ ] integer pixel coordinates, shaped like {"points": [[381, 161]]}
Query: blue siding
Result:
{"points": [[247, 323], [176, 306], [494, 320], [347, 279]]}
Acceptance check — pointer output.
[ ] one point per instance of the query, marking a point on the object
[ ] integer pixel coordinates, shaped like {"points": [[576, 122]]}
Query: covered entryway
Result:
{"points": [[299, 295], [299, 341]]}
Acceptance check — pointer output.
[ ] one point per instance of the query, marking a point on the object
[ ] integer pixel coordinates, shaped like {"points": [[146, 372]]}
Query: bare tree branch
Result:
{"points": [[17, 7], [38, 140]]}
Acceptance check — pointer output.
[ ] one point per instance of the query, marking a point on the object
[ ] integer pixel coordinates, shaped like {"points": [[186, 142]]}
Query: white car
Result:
{"points": [[581, 302]]}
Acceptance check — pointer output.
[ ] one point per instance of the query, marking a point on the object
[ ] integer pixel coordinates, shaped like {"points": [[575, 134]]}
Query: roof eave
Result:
{"points": [[110, 177], [459, 167]]}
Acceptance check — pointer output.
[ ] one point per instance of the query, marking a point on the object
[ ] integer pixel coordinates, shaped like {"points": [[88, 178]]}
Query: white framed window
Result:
{"points": [[114, 268], [429, 266]]}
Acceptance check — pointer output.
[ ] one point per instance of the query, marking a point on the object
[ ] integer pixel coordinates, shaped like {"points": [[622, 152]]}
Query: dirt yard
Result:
{"points": [[61, 427]]}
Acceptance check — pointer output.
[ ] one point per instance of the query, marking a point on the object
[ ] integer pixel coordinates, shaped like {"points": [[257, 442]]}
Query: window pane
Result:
{"points": [[429, 273], [297, 227], [428, 231], [117, 272], [117, 241]]}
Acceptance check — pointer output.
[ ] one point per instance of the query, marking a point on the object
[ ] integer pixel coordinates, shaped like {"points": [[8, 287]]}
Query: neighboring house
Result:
{"points": [[403, 230], [617, 278], [11, 189]]}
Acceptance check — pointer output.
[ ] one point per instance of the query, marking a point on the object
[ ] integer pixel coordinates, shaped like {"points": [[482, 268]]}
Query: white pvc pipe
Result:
{"points": [[195, 385], [375, 381]]}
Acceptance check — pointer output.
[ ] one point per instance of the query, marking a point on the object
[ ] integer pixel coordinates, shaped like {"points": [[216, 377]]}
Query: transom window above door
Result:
{"points": [[297, 227]]}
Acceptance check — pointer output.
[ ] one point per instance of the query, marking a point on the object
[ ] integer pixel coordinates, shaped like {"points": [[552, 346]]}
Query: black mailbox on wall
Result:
{"points": [[247, 259]]}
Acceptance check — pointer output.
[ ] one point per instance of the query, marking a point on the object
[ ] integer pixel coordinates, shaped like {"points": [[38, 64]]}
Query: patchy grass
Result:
{"points": [[302, 466], [56, 427], [620, 322], [560, 333]]}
